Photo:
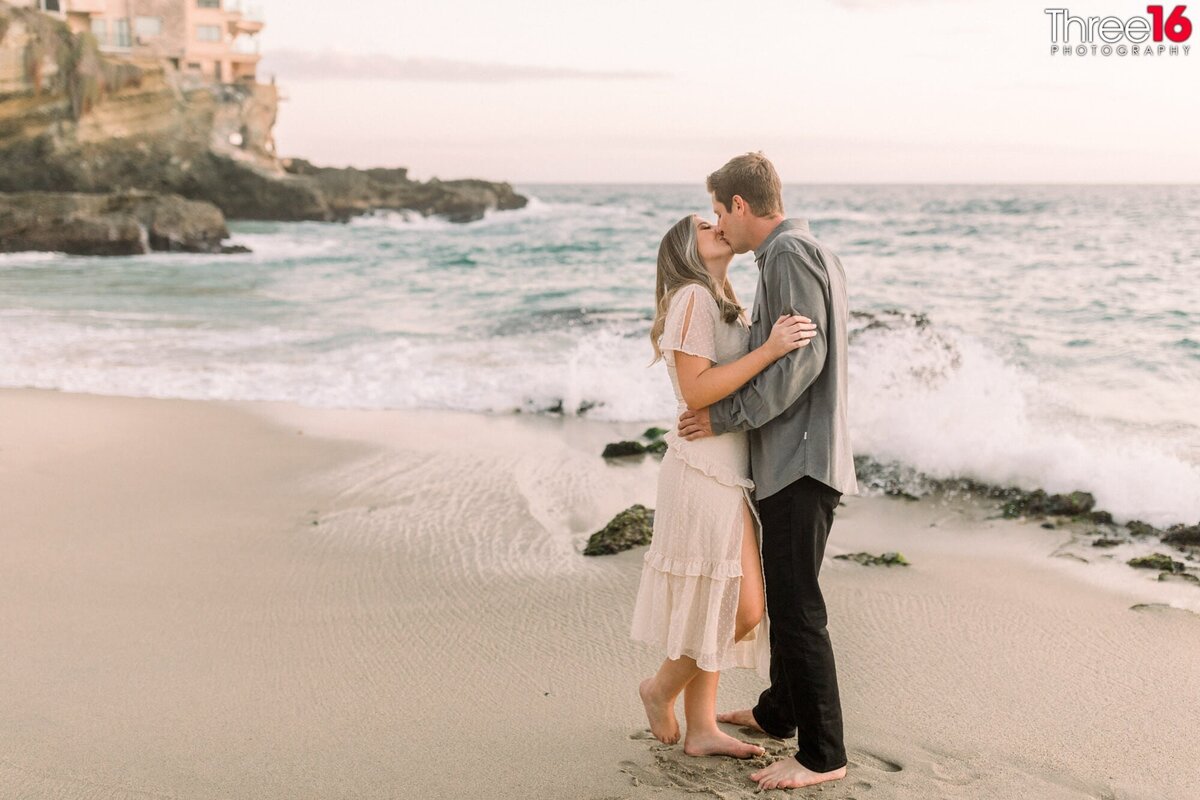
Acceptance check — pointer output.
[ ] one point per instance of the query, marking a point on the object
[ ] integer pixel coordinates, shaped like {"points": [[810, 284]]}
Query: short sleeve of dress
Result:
{"points": [[691, 324]]}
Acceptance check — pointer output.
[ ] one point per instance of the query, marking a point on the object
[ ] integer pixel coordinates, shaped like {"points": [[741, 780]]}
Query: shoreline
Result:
{"points": [[255, 599]]}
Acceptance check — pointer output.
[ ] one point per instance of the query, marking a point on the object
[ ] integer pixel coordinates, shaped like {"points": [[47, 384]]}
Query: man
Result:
{"points": [[800, 460]]}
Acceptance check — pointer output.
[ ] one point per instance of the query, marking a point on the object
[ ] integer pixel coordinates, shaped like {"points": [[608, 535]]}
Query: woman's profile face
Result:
{"points": [[711, 245]]}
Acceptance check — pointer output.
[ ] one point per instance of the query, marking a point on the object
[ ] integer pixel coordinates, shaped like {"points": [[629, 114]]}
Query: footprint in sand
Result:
{"points": [[865, 759], [710, 775], [643, 776]]}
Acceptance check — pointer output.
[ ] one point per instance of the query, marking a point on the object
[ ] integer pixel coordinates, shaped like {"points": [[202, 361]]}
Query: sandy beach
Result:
{"points": [[260, 600]]}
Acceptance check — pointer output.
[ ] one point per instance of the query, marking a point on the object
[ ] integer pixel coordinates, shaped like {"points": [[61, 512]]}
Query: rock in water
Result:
{"points": [[654, 433], [1159, 561], [869, 560], [620, 449], [632, 527], [658, 447], [126, 223]]}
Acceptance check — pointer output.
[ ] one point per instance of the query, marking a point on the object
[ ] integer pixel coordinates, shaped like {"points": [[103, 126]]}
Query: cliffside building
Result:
{"points": [[214, 40]]}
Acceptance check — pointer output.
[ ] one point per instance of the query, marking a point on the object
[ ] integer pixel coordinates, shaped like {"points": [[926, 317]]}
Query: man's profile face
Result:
{"points": [[729, 223]]}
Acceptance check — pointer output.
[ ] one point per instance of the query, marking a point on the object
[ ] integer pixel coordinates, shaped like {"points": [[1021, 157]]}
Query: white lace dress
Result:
{"points": [[692, 572]]}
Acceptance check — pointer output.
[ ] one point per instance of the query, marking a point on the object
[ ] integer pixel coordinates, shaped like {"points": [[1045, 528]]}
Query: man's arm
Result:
{"points": [[792, 281]]}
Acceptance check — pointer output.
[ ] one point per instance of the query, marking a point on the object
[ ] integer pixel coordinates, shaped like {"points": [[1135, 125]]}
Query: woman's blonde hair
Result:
{"points": [[679, 264]]}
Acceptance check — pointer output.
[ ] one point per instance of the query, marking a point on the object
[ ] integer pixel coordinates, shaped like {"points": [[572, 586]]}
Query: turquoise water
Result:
{"points": [[1048, 336]]}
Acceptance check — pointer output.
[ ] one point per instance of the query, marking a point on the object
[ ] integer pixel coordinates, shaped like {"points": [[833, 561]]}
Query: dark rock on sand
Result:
{"points": [[1107, 543], [1159, 561], [125, 223], [869, 560], [1185, 536], [1039, 504], [622, 449], [631, 528], [656, 444], [1139, 528]]}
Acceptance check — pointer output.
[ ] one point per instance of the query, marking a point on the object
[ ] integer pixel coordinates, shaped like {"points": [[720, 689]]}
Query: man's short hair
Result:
{"points": [[753, 177]]}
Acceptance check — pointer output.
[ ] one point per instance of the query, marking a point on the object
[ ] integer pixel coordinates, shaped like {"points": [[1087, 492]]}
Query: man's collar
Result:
{"points": [[788, 224]]}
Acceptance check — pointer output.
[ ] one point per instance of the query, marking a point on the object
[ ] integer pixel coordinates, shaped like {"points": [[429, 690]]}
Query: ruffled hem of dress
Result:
{"points": [[687, 567], [733, 658], [721, 473]]}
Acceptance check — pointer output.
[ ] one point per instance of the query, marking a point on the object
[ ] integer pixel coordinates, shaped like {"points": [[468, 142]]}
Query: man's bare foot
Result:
{"points": [[660, 713], [743, 717], [719, 743], [788, 773]]}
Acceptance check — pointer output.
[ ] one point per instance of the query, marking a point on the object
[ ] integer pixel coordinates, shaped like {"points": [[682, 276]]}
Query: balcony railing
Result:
{"points": [[113, 42], [87, 6], [246, 45], [249, 10]]}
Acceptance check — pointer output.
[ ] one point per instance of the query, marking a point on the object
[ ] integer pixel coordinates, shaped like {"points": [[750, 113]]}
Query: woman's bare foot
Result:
{"points": [[660, 713], [788, 773], [743, 717], [718, 743]]}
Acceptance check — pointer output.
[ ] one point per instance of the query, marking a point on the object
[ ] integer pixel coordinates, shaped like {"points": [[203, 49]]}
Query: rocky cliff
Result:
{"points": [[75, 120]]}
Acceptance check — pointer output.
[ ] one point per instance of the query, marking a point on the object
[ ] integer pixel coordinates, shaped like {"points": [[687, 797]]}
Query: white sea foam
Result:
{"points": [[951, 408], [29, 259]]}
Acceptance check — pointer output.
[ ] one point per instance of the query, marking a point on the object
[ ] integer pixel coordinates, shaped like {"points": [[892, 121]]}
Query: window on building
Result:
{"points": [[208, 33], [121, 33], [208, 3], [147, 27], [194, 65], [100, 30], [51, 5]]}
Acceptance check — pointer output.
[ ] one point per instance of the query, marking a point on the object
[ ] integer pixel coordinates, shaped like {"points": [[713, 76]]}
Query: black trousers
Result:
{"points": [[802, 699]]}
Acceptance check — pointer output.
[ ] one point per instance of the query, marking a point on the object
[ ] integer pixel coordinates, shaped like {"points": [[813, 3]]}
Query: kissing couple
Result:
{"points": [[750, 480]]}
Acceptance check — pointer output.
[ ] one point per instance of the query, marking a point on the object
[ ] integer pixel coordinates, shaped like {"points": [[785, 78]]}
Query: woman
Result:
{"points": [[701, 595]]}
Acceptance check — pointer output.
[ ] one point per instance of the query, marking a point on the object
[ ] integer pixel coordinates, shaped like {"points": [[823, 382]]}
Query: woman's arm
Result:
{"points": [[702, 383]]}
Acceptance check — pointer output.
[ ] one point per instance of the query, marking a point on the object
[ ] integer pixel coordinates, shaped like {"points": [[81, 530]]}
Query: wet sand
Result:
{"points": [[258, 600]]}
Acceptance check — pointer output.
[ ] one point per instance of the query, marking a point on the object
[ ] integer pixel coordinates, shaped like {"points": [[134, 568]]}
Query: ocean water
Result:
{"points": [[1047, 336]]}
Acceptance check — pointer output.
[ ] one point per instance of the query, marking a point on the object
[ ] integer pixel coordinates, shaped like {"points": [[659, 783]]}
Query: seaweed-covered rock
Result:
{"points": [[869, 560], [1039, 504], [632, 527], [1107, 543], [657, 447], [1139, 528], [621, 449], [1159, 561], [1183, 536], [654, 433]]}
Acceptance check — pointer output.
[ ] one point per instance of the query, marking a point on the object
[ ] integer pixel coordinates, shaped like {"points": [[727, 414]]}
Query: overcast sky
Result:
{"points": [[665, 91]]}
